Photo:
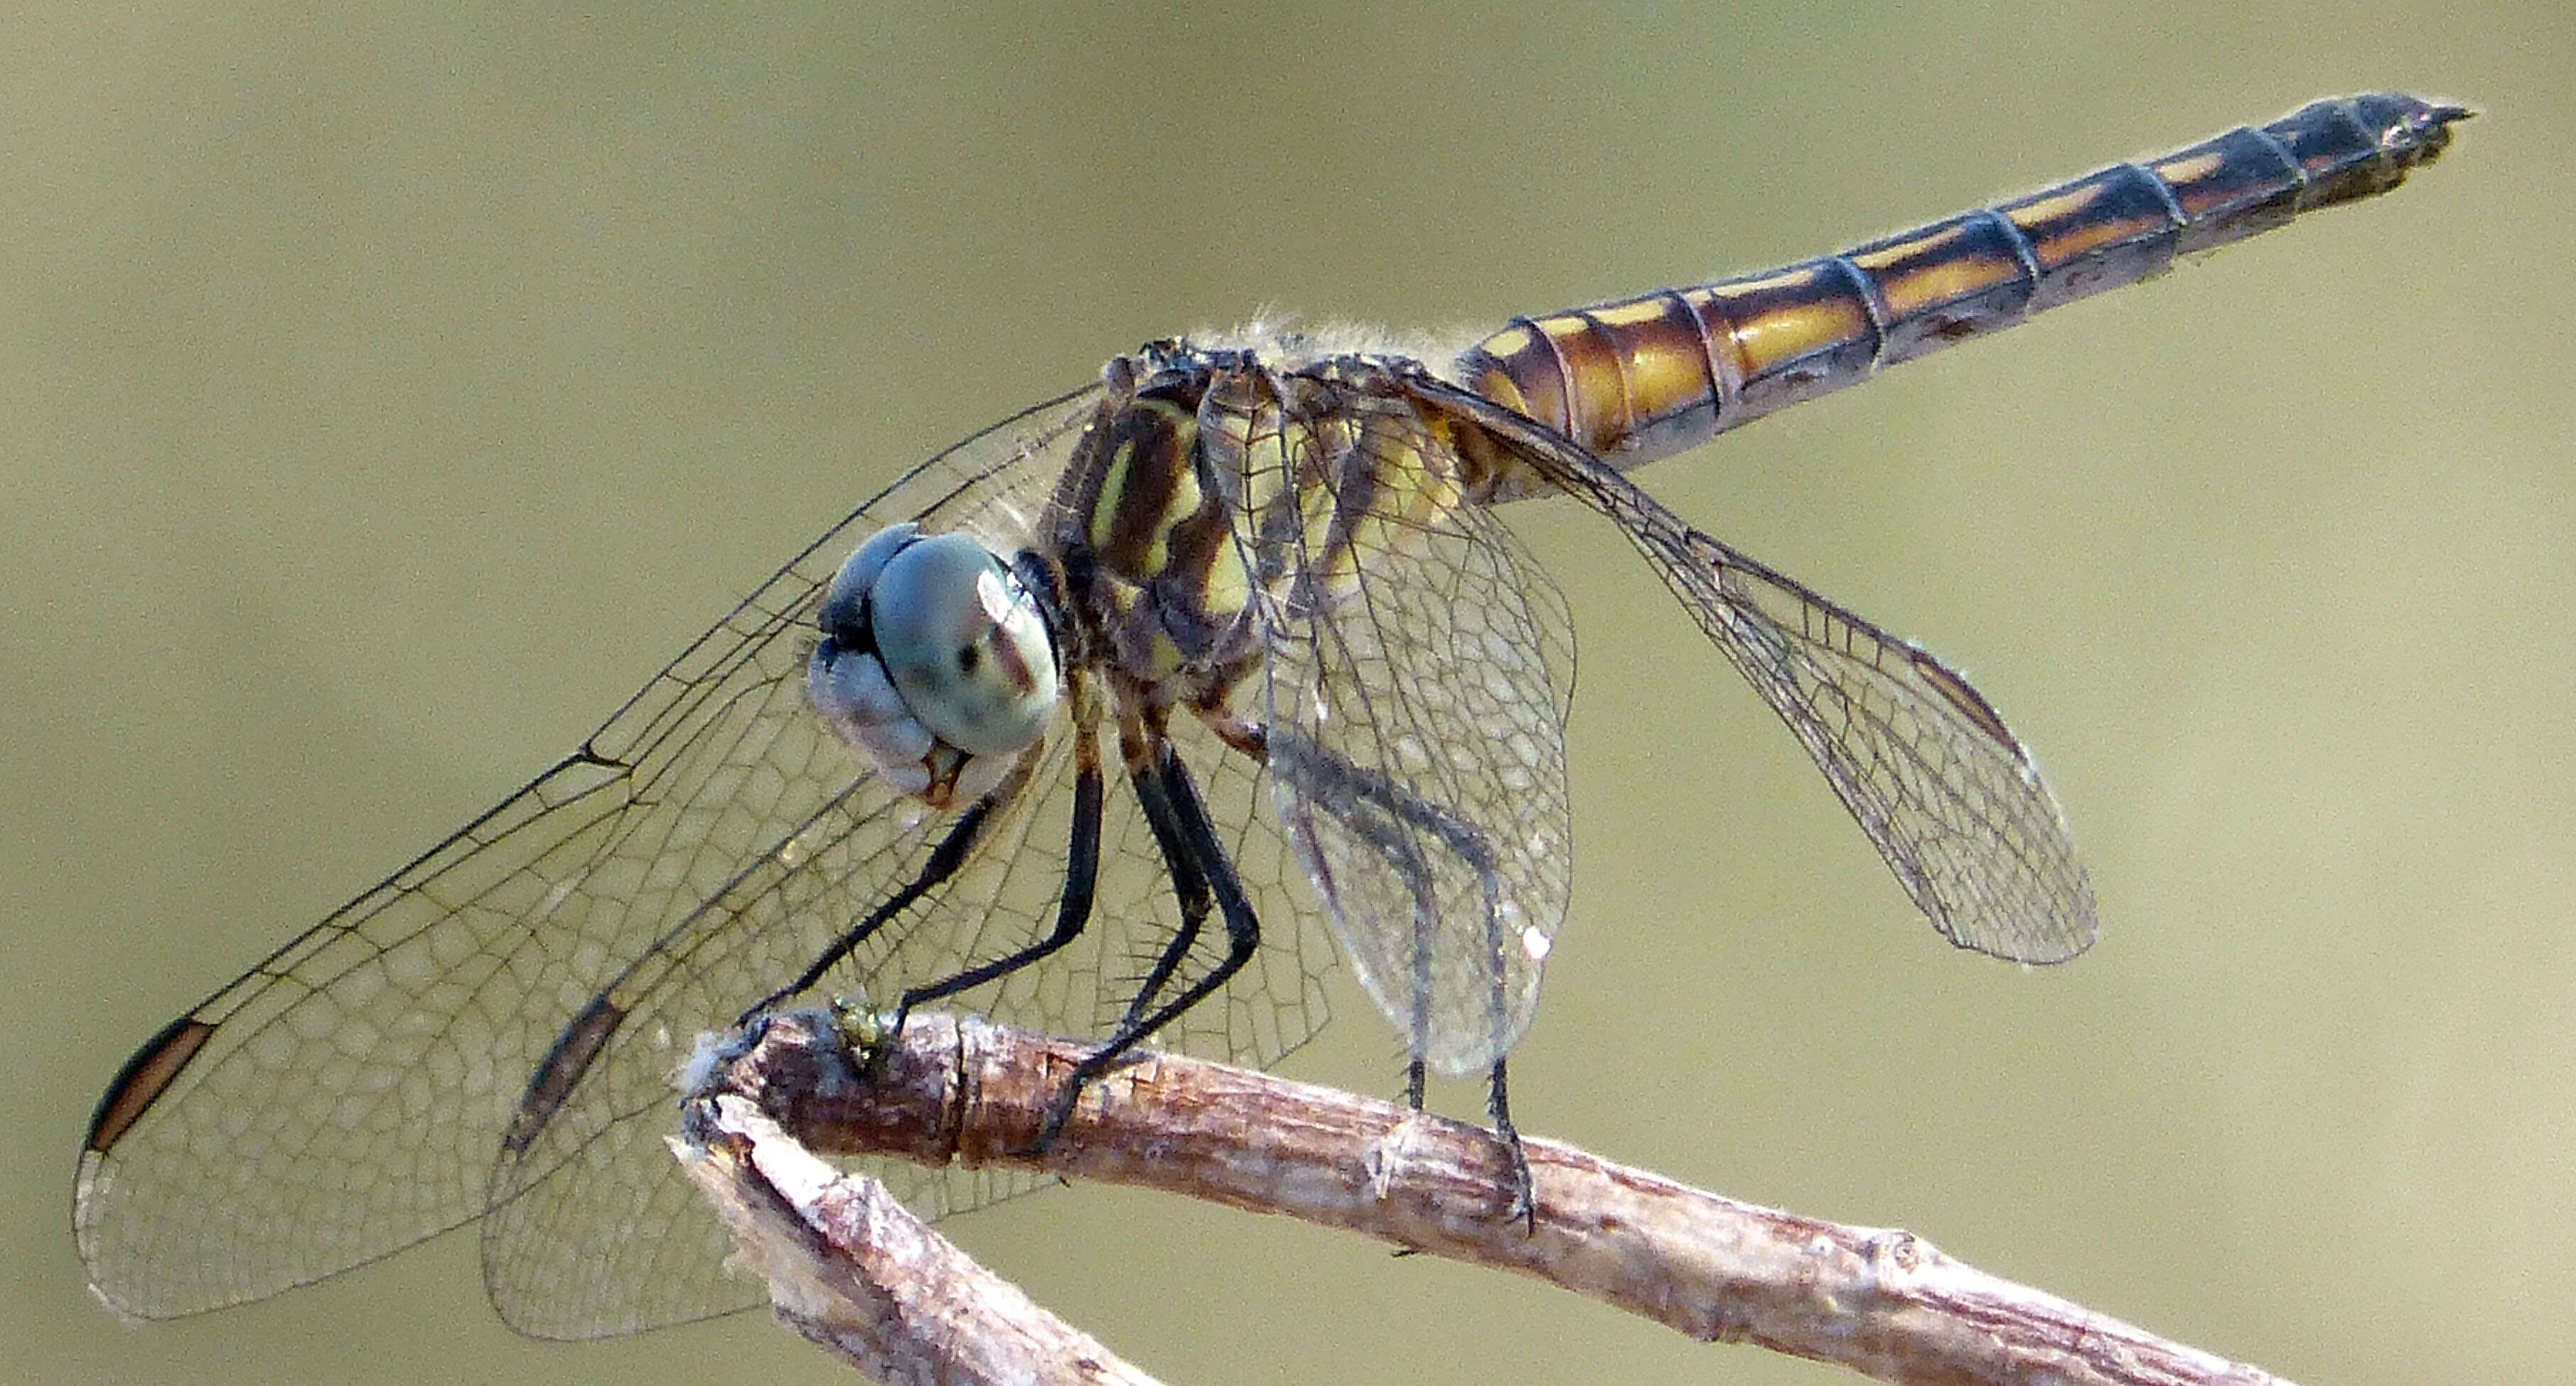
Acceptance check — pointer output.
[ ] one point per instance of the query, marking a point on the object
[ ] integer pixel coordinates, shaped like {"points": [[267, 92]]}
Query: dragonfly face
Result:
{"points": [[936, 661], [1127, 702]]}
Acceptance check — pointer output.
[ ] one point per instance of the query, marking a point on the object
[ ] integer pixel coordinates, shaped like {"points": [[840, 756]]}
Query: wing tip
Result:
{"points": [[146, 1074]]}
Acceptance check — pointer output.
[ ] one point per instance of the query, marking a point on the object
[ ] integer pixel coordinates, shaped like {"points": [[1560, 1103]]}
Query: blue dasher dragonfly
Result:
{"points": [[1102, 721]]}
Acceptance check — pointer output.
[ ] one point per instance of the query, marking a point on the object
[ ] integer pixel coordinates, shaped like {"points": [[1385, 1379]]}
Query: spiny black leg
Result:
{"points": [[1523, 1207], [1073, 907], [1166, 775], [1379, 810], [1386, 816], [1524, 1202], [1189, 889], [945, 859]]}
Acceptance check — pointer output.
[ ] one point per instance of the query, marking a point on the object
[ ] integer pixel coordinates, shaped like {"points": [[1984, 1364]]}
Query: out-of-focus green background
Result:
{"points": [[385, 393]]}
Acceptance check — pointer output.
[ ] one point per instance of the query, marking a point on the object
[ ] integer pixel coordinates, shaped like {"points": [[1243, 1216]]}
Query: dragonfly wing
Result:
{"points": [[349, 1096], [1947, 793], [594, 1230], [1417, 683]]}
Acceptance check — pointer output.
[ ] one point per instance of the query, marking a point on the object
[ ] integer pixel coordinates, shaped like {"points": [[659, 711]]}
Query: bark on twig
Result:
{"points": [[1879, 1301], [855, 1271]]}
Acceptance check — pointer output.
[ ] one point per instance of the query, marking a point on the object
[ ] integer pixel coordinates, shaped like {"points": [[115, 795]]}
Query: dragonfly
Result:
{"points": [[1126, 717]]}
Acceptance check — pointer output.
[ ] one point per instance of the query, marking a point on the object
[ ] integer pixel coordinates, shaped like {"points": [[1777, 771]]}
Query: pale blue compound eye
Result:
{"points": [[844, 604], [964, 643]]}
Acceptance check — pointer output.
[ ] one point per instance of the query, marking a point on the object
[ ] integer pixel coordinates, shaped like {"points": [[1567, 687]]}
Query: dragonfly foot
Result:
{"points": [[1059, 1110], [1522, 1206]]}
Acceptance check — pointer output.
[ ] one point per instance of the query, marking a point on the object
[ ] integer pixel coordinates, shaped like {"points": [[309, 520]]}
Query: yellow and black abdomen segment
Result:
{"points": [[1650, 376]]}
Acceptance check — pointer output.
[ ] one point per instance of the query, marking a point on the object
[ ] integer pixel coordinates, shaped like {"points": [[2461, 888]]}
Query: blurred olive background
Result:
{"points": [[385, 394]]}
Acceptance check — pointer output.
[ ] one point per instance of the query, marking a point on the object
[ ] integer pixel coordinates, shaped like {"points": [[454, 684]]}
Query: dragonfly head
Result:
{"points": [[936, 662]]}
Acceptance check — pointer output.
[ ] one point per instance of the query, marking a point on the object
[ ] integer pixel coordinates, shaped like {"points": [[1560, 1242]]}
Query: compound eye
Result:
{"points": [[845, 604], [964, 643]]}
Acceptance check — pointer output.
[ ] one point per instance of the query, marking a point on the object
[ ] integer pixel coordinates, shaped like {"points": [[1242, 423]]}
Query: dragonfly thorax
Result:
{"points": [[936, 662], [1215, 494]]}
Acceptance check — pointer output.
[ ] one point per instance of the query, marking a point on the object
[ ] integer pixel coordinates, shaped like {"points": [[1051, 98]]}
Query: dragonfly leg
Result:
{"points": [[945, 859], [1165, 777], [1073, 906], [1521, 1203], [1193, 915], [1189, 888], [1241, 733], [1307, 760], [1392, 819], [1523, 1207], [1400, 818]]}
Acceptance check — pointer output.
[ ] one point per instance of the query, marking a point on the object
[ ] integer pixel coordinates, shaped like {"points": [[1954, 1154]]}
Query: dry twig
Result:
{"points": [[1881, 1302]]}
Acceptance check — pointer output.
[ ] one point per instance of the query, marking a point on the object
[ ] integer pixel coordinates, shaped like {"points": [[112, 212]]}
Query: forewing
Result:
{"points": [[348, 1096], [1415, 709], [1949, 796], [596, 1231]]}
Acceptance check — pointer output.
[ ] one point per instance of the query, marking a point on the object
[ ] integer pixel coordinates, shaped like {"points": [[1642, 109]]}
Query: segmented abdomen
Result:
{"points": [[1649, 376]]}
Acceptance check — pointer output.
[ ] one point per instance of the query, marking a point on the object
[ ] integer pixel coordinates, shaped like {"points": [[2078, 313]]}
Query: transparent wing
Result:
{"points": [[1946, 792], [596, 1231], [349, 1096], [1417, 687]]}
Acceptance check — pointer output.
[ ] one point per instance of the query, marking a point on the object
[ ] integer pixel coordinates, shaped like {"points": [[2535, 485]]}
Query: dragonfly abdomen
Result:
{"points": [[1646, 377]]}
